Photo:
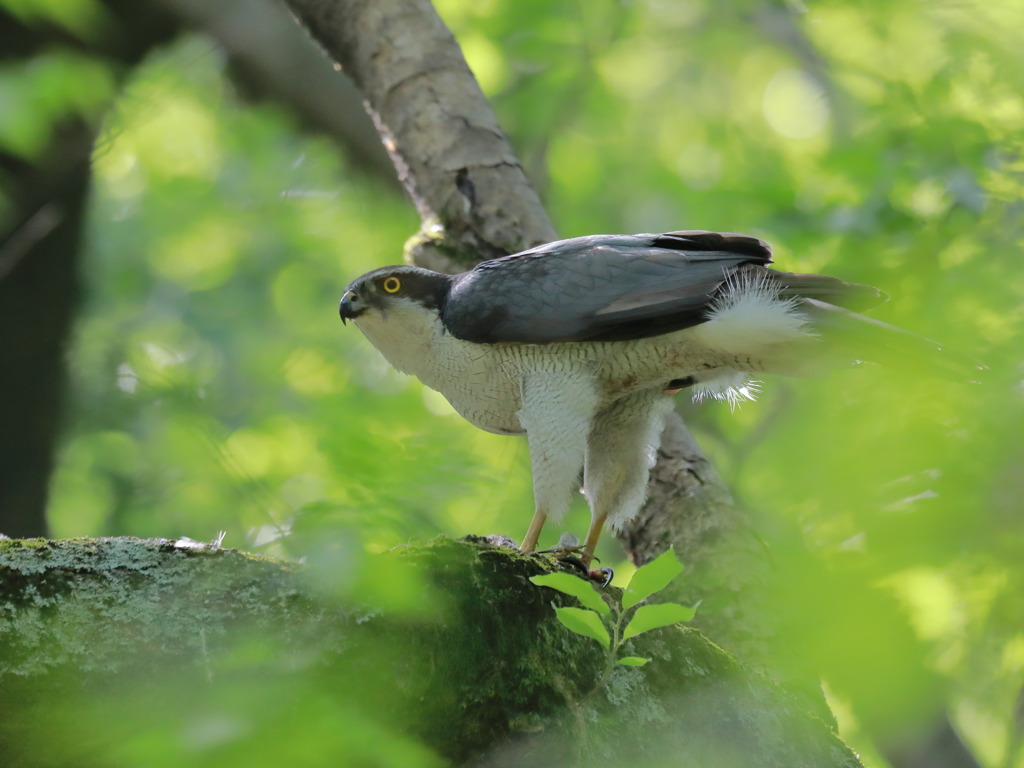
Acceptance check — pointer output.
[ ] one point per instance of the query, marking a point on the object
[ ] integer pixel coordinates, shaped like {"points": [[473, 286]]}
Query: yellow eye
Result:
{"points": [[392, 284]]}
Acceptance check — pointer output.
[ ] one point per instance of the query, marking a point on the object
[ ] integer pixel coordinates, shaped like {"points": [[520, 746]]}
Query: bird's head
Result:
{"points": [[392, 289], [398, 309]]}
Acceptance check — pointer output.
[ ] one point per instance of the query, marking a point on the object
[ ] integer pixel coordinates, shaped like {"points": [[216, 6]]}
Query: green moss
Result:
{"points": [[95, 602], [478, 666]]}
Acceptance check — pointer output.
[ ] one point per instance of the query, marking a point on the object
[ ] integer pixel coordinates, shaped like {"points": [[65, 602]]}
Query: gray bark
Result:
{"points": [[451, 156], [475, 666]]}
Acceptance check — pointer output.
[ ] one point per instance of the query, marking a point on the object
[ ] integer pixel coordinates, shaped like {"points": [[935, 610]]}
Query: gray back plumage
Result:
{"points": [[610, 287]]}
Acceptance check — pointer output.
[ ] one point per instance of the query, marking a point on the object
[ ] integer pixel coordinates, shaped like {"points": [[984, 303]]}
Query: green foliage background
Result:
{"points": [[214, 388]]}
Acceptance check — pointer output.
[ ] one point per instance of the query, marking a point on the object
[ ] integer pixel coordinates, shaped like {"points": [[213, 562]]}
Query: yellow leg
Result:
{"points": [[533, 534], [596, 524]]}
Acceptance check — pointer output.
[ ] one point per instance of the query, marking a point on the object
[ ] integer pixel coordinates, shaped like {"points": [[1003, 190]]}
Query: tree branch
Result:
{"points": [[476, 203], [479, 670], [271, 58], [472, 195]]}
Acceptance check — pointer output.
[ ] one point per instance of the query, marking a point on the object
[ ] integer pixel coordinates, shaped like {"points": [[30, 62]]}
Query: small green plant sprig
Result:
{"points": [[612, 626]]}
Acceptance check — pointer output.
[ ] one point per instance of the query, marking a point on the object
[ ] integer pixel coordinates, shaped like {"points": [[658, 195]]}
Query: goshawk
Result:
{"points": [[580, 344]]}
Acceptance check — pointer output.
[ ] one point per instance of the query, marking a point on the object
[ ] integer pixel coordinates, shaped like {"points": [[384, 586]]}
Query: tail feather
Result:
{"points": [[866, 339], [832, 290]]}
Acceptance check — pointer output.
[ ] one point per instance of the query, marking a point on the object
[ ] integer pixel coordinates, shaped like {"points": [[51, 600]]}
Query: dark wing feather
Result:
{"points": [[599, 288]]}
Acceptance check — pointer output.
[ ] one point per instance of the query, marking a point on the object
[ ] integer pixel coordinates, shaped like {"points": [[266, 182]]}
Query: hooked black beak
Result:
{"points": [[350, 307]]}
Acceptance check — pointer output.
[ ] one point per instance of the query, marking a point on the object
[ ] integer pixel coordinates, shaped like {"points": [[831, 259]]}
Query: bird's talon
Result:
{"points": [[577, 550], [601, 576], [574, 562]]}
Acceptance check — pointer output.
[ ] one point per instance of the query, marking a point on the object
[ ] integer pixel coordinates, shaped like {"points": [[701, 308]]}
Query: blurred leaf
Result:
{"points": [[573, 585], [584, 622], [648, 617], [651, 578], [632, 661]]}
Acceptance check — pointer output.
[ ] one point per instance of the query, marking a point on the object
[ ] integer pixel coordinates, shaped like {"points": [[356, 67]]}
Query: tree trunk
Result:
{"points": [[476, 203], [469, 660], [42, 204]]}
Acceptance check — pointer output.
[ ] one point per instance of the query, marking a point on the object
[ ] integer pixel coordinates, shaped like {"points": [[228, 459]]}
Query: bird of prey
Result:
{"points": [[580, 344]]}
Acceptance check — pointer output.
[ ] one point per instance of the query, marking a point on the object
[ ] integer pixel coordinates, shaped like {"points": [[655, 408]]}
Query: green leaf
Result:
{"points": [[584, 622], [648, 617], [575, 586], [632, 661], [652, 578]]}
